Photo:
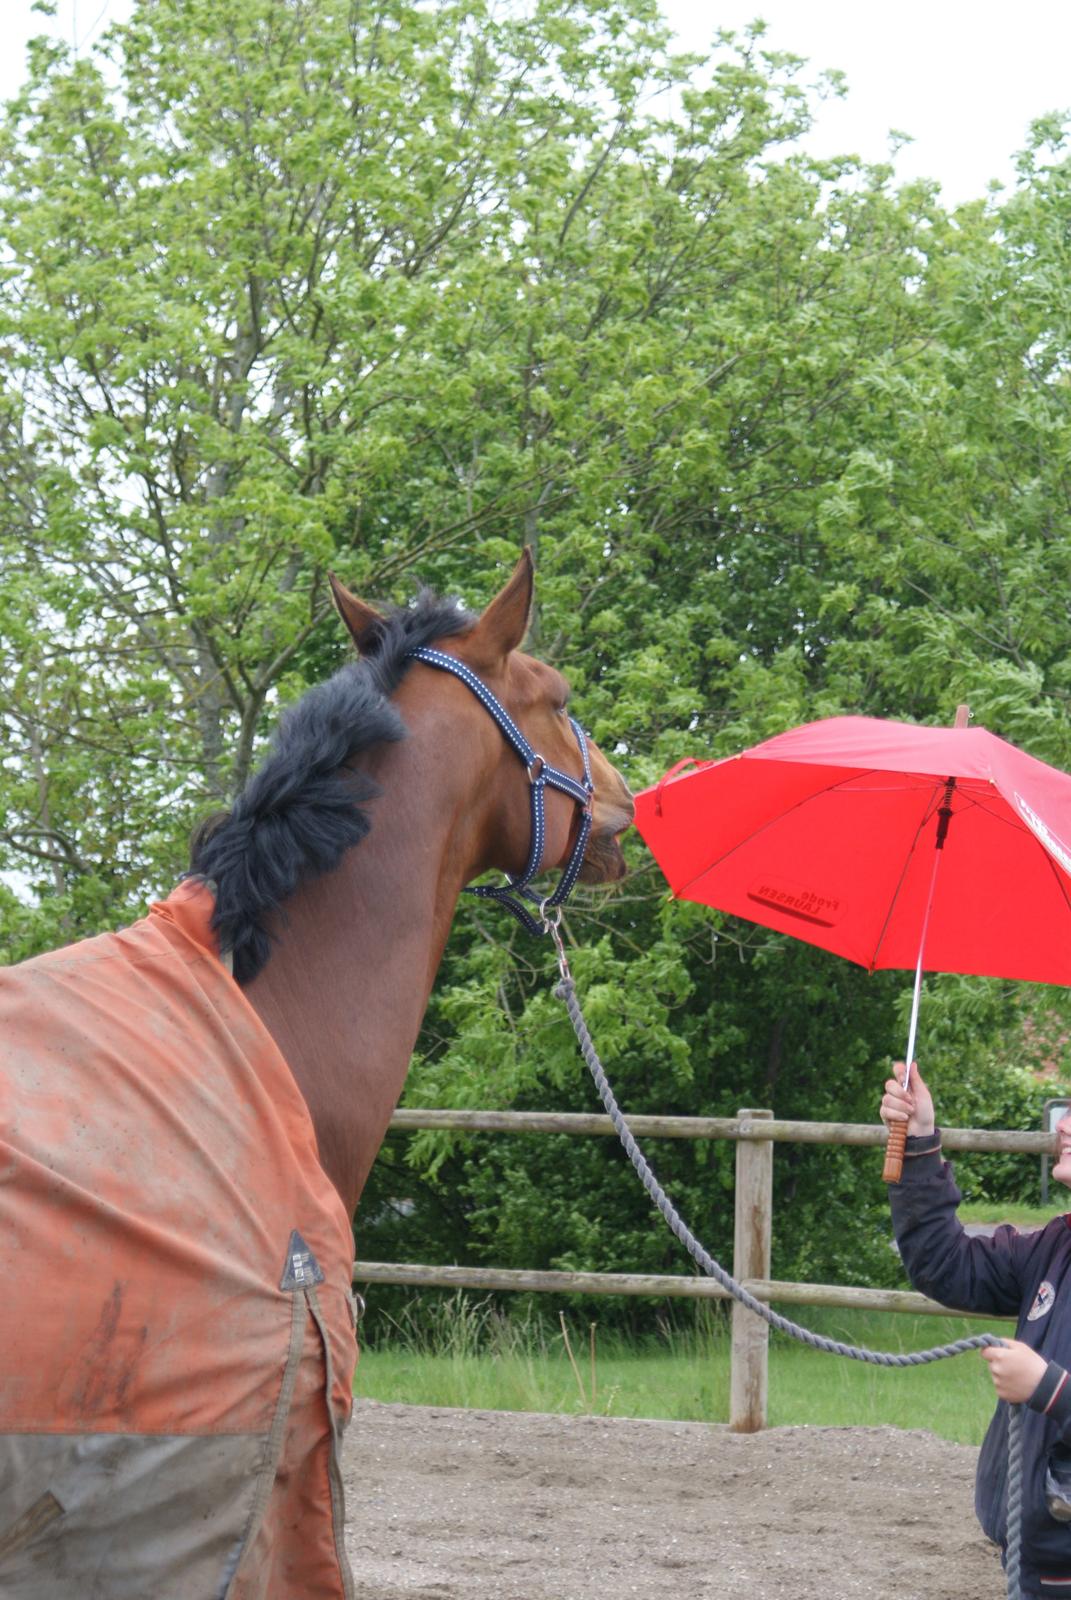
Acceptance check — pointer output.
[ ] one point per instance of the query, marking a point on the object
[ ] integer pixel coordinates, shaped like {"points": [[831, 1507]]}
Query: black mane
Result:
{"points": [[298, 814]]}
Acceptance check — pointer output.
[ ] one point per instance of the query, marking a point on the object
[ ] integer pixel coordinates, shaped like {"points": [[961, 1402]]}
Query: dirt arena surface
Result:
{"points": [[494, 1505]]}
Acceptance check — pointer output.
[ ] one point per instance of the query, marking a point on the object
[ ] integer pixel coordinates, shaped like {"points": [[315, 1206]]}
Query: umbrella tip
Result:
{"points": [[963, 717]]}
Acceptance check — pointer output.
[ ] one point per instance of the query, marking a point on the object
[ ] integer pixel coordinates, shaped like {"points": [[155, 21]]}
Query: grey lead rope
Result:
{"points": [[566, 991]]}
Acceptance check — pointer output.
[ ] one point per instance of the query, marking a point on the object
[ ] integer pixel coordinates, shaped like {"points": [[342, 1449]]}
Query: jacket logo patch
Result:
{"points": [[1044, 1301]]}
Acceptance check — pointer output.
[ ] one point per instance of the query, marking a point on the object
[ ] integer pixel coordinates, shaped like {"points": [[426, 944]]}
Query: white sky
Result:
{"points": [[964, 77]]}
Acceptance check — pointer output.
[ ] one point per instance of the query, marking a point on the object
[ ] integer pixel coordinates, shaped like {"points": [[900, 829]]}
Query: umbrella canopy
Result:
{"points": [[829, 833]]}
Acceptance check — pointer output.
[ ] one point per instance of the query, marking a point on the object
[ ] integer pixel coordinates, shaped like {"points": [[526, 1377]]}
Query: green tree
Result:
{"points": [[298, 284]]}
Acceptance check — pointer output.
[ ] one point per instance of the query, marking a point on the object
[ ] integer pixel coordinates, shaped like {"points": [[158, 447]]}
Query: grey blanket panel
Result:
{"points": [[124, 1516]]}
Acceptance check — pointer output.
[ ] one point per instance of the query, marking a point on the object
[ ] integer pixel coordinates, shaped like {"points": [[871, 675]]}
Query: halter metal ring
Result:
{"points": [[535, 769], [550, 916]]}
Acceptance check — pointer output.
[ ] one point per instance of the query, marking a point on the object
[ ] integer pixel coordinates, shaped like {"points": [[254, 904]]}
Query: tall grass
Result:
{"points": [[953, 1398], [1023, 1216], [460, 1351]]}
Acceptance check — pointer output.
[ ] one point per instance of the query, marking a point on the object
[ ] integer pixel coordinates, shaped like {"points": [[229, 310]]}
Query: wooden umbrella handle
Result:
{"points": [[894, 1153]]}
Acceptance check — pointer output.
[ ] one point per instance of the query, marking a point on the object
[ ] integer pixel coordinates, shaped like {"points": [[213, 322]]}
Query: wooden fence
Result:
{"points": [[755, 1133]]}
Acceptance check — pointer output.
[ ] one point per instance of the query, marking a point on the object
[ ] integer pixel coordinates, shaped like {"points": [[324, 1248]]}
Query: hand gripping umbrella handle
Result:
{"points": [[894, 1150], [894, 1153]]}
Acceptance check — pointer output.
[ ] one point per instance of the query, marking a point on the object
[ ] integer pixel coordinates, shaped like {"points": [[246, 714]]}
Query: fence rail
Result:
{"points": [[738, 1127], [664, 1286], [755, 1132]]}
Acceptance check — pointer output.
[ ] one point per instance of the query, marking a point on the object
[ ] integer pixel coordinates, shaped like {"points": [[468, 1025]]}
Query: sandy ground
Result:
{"points": [[491, 1505]]}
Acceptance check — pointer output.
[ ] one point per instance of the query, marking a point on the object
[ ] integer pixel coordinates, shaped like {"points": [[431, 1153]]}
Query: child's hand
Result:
{"points": [[1016, 1370], [915, 1106]]}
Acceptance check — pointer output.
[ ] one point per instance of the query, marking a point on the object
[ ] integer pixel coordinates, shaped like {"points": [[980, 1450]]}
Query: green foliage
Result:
{"points": [[291, 285]]}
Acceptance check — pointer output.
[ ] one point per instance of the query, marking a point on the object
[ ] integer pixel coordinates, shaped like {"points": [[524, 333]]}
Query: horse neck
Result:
{"points": [[345, 989]]}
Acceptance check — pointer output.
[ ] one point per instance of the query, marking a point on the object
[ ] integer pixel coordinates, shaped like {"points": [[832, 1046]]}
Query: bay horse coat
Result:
{"points": [[177, 1343]]}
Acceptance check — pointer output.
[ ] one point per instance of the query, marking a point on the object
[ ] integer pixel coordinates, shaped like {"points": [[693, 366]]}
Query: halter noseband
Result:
{"points": [[539, 775]]}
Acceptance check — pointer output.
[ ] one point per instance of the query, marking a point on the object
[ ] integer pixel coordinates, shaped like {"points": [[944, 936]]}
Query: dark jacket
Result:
{"points": [[1025, 1275]]}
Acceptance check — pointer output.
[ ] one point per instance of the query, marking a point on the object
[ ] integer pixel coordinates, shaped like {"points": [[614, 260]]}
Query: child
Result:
{"points": [[1025, 1275]]}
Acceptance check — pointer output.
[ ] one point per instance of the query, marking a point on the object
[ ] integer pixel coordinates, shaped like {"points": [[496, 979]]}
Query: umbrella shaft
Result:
{"points": [[914, 1023], [917, 996]]}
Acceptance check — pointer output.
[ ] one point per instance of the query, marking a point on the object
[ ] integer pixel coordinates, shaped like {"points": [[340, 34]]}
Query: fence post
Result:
{"points": [[751, 1259]]}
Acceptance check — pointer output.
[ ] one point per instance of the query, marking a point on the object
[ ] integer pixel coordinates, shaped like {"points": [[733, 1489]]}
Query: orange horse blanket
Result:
{"points": [[176, 1330]]}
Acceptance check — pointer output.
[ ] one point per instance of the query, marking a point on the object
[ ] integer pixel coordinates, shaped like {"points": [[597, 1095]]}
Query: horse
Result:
{"points": [[191, 1107]]}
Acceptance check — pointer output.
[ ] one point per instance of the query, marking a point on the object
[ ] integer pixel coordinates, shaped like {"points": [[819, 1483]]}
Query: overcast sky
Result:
{"points": [[964, 77]]}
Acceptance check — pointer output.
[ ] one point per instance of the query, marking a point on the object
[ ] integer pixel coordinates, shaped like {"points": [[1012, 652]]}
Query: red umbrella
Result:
{"points": [[834, 832]]}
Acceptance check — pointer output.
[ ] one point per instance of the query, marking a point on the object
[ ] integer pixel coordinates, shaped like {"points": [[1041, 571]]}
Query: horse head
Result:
{"points": [[337, 947], [535, 697]]}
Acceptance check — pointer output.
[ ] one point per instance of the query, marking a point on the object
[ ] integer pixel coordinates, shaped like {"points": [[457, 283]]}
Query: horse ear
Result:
{"points": [[504, 624], [359, 618]]}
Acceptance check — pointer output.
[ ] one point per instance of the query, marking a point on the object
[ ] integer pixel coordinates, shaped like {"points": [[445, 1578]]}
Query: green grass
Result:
{"points": [[999, 1211], [953, 1398], [457, 1352], [626, 1385]]}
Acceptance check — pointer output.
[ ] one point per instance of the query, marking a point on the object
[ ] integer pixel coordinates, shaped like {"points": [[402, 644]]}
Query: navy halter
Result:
{"points": [[539, 775]]}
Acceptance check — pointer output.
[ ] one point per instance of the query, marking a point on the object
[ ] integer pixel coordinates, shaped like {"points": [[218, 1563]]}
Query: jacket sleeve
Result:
{"points": [[984, 1275], [1052, 1398]]}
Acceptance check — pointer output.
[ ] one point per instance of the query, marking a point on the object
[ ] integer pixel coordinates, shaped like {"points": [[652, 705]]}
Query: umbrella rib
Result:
{"points": [[1059, 876], [982, 803], [903, 874], [769, 823]]}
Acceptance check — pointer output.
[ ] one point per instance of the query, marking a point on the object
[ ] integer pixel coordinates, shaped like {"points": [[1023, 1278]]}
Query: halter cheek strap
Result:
{"points": [[540, 774]]}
